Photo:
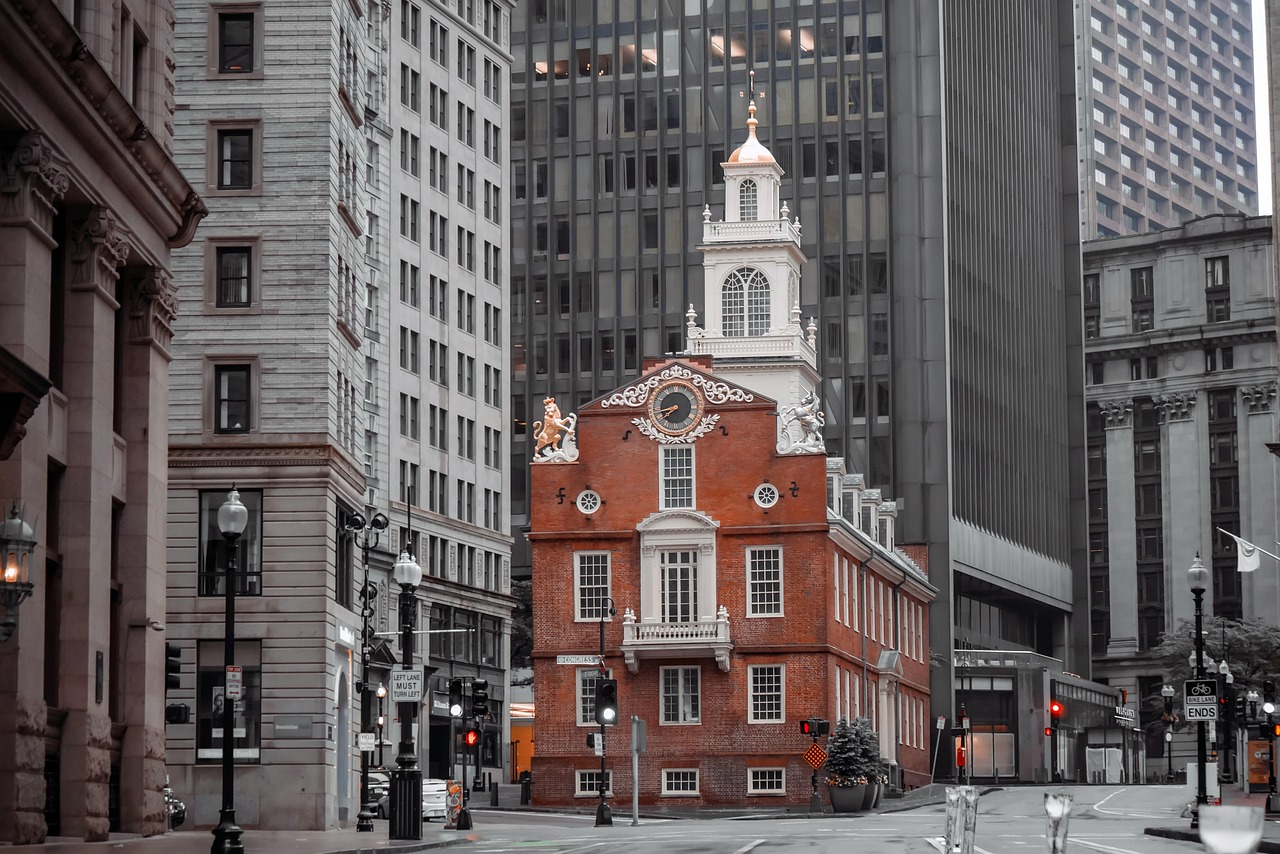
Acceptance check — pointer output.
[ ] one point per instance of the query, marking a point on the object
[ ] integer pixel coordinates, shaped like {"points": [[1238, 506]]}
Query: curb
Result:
{"points": [[1267, 846]]}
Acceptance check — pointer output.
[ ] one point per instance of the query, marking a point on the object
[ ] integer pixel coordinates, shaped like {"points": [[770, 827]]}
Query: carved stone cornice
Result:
{"points": [[35, 179], [21, 390], [195, 456], [1117, 413], [153, 305], [99, 246], [1258, 397], [1175, 406]]}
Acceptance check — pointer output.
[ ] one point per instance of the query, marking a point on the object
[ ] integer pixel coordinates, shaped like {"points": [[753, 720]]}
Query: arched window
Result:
{"points": [[745, 303], [748, 195]]}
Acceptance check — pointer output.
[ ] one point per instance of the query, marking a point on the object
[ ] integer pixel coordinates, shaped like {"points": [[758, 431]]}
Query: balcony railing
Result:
{"points": [[652, 639]]}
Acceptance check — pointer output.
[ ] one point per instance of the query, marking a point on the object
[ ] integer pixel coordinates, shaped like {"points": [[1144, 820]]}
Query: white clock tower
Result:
{"points": [[751, 264]]}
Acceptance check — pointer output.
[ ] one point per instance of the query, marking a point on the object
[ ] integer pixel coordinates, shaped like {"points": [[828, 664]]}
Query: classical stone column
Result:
{"points": [[150, 303], [1122, 547], [1260, 590], [34, 180], [1186, 478], [97, 248]]}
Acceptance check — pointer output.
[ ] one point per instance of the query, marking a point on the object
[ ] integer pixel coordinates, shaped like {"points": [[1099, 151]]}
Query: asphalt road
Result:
{"points": [[1104, 820]]}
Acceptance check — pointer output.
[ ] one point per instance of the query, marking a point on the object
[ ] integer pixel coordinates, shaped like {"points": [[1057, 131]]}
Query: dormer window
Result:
{"points": [[748, 201], [745, 303]]}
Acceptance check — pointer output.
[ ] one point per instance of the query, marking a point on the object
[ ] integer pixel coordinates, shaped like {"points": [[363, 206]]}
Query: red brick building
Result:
{"points": [[755, 583]]}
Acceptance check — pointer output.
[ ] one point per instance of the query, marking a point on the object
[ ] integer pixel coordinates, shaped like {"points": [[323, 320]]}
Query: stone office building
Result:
{"points": [[1180, 340], [91, 205]]}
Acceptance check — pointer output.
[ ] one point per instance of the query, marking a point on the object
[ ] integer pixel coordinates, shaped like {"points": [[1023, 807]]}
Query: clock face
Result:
{"points": [[676, 408]]}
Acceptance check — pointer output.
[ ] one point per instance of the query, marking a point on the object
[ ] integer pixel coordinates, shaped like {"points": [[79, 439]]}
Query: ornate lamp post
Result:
{"points": [[370, 531], [406, 780], [1197, 580], [1167, 692], [232, 519], [17, 542]]}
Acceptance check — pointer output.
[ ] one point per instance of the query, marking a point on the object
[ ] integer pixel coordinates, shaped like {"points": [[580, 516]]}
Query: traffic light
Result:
{"points": [[607, 702], [1048, 730], [1225, 708], [815, 727], [368, 600], [472, 737], [455, 698], [177, 713], [1056, 711], [172, 666], [1240, 711], [1268, 691], [480, 697], [1268, 731]]}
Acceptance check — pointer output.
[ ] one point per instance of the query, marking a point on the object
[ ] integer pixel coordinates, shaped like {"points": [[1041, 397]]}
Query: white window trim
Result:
{"points": [[662, 696], [767, 793], [681, 793], [677, 530], [782, 598], [577, 586], [693, 476], [594, 793], [751, 714]]}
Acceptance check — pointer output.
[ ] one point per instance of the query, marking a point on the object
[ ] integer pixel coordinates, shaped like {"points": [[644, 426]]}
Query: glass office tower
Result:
{"points": [[934, 181]]}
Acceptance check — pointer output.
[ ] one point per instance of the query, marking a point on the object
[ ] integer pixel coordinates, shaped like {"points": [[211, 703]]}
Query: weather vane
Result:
{"points": [[751, 92]]}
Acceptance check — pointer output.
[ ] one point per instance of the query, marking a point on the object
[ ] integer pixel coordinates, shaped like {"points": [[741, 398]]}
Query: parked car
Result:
{"points": [[174, 808], [433, 797]]}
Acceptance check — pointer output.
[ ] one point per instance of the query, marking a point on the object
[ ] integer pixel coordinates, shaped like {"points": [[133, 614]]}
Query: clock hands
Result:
{"points": [[663, 413]]}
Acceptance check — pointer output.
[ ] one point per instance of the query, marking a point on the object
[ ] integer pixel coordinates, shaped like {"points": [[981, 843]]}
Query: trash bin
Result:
{"points": [[526, 788]]}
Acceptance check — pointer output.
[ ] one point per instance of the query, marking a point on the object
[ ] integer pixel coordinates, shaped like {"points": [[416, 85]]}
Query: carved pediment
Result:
{"points": [[675, 521], [715, 390]]}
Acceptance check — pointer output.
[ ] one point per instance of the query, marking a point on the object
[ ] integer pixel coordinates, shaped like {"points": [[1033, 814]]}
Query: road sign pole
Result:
{"points": [[933, 769]]}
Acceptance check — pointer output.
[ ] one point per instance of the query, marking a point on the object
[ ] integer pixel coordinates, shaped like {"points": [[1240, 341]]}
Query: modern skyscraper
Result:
{"points": [[1181, 381], [338, 352], [933, 187], [1167, 113]]}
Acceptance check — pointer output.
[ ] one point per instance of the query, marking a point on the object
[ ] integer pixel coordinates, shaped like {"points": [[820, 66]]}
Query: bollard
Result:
{"points": [[1057, 808], [951, 830], [969, 809]]}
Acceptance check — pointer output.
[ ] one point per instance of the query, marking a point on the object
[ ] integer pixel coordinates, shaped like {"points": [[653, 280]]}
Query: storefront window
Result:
{"points": [[211, 697]]}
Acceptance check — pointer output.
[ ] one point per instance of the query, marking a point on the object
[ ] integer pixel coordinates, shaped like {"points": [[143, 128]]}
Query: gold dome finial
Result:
{"points": [[751, 151]]}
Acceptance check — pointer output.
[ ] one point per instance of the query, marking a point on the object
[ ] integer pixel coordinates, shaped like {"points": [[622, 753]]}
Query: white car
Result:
{"points": [[433, 799]]}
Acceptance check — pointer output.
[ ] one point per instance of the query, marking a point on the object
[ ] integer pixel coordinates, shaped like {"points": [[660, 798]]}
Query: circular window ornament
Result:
{"points": [[589, 501], [766, 495]]}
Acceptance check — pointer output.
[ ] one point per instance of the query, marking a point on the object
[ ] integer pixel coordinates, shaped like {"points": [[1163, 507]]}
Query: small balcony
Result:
{"points": [[649, 638]]}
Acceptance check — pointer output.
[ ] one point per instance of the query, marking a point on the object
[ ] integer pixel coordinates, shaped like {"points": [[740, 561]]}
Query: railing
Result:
{"points": [[702, 630], [654, 639], [767, 229]]}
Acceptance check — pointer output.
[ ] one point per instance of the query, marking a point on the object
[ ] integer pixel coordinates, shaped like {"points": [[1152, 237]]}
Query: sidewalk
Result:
{"points": [[276, 841], [1233, 794]]}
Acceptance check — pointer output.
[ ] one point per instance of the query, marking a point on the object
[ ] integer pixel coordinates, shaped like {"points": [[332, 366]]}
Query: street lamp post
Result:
{"points": [[370, 531], [17, 544], [1197, 579], [232, 519], [1167, 692], [604, 817], [406, 780]]}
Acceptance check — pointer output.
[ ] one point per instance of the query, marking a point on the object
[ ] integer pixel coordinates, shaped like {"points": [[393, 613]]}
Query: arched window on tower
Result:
{"points": [[748, 201], [745, 303]]}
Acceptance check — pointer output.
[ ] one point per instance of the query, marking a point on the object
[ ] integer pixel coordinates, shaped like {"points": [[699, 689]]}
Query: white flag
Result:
{"points": [[1248, 555]]}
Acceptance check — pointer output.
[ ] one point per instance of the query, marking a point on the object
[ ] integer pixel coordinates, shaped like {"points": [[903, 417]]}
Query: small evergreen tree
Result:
{"points": [[853, 753]]}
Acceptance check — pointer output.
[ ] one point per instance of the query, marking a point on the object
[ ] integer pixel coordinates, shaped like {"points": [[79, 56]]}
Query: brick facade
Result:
{"points": [[831, 666]]}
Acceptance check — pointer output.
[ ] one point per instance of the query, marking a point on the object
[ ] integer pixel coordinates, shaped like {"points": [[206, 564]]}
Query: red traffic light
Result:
{"points": [[1056, 709], [472, 738], [806, 727], [1048, 730]]}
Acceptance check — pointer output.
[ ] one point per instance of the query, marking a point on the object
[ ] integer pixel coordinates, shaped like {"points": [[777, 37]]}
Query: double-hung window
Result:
{"points": [[214, 552], [765, 700], [681, 695], [593, 585], [676, 463], [764, 582], [679, 582]]}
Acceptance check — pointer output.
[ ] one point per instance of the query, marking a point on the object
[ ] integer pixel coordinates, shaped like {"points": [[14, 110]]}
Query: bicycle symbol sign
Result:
{"points": [[1201, 692]]}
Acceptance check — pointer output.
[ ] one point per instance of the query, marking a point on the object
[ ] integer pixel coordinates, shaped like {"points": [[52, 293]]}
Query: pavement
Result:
{"points": [[1233, 794], [185, 841]]}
